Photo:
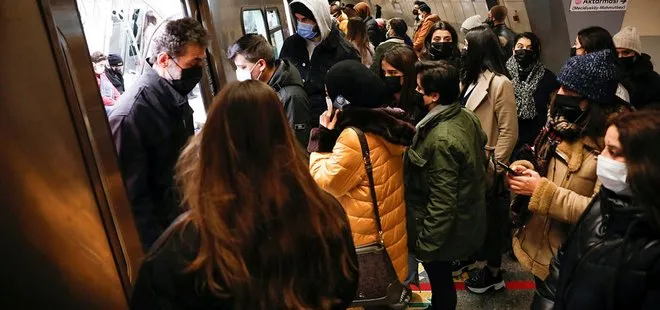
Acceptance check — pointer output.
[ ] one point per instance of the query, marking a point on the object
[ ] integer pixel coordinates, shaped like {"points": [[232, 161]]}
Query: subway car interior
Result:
{"points": [[69, 236]]}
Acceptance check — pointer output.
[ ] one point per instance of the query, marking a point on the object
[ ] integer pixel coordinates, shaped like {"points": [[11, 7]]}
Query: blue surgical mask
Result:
{"points": [[306, 31]]}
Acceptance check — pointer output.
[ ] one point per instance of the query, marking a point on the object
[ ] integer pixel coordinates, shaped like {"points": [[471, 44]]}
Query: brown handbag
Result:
{"points": [[378, 283]]}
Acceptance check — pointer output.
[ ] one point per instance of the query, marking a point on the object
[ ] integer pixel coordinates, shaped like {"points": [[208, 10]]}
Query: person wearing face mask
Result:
{"points": [[341, 17], [533, 85], [611, 260], [109, 93], [446, 205], [562, 179], [115, 71], [255, 60], [396, 35], [398, 72], [314, 49], [375, 32], [424, 27], [488, 92], [441, 43], [415, 12], [638, 75], [497, 20], [338, 167], [594, 39], [153, 120]]}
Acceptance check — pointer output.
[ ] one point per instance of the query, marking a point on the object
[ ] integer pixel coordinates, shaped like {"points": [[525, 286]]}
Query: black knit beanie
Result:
{"points": [[355, 82]]}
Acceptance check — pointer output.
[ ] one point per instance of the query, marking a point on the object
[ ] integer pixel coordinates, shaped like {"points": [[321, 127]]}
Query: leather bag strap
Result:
{"points": [[366, 157]]}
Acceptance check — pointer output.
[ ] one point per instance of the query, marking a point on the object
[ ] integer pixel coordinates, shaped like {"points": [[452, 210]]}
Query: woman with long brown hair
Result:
{"points": [[258, 233], [357, 35]]}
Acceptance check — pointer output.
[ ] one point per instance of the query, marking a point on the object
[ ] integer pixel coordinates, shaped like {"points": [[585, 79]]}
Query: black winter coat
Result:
{"points": [[330, 51], [287, 83], [611, 260], [375, 33], [502, 30], [162, 282], [642, 83], [529, 129], [150, 125]]}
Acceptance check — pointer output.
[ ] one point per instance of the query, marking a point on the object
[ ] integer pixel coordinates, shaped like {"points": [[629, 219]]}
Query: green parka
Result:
{"points": [[445, 172]]}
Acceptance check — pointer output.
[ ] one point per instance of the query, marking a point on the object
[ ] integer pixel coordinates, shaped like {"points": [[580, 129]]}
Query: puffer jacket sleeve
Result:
{"points": [[343, 169], [418, 43], [507, 119], [559, 203], [442, 177]]}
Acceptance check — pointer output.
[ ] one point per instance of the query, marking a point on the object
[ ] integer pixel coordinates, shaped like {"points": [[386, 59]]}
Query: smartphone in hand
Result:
{"points": [[507, 168]]}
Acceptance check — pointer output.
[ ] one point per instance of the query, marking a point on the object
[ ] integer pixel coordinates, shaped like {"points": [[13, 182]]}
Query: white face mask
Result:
{"points": [[244, 75], [613, 175], [99, 68]]}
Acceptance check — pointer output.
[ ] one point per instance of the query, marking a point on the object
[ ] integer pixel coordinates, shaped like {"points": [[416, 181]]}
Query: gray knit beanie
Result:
{"points": [[594, 76], [471, 23], [628, 38]]}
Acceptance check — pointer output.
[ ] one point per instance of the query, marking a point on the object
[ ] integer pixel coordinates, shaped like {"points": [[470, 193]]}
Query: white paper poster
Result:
{"points": [[598, 5]]}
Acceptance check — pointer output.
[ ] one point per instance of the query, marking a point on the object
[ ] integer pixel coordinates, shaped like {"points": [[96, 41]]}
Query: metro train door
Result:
{"points": [[68, 236]]}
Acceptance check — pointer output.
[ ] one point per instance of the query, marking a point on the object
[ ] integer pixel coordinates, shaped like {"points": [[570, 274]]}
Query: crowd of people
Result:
{"points": [[358, 138]]}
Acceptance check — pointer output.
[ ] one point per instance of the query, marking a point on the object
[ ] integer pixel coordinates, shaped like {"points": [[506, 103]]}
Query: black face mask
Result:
{"points": [[524, 57], [441, 50], [628, 63], [189, 79], [393, 84], [573, 51], [569, 108], [415, 12], [419, 100]]}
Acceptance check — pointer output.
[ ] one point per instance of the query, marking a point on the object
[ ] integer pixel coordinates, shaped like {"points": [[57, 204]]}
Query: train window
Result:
{"points": [[275, 29], [127, 28], [254, 22]]}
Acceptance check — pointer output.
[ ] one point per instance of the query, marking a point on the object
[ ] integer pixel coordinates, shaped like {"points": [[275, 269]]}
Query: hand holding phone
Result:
{"points": [[507, 168]]}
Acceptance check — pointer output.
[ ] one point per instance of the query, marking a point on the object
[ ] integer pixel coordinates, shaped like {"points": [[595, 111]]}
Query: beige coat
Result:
{"points": [[494, 103], [557, 203], [342, 174]]}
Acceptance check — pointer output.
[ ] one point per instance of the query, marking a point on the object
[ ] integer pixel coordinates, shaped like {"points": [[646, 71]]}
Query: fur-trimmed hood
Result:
{"points": [[390, 123]]}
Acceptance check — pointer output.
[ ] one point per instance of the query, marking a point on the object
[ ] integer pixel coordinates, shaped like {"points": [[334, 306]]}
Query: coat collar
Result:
{"points": [[572, 152], [152, 77], [480, 91]]}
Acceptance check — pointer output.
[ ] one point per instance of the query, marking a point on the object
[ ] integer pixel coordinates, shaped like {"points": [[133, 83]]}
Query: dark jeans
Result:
{"points": [[497, 212], [442, 285], [543, 299]]}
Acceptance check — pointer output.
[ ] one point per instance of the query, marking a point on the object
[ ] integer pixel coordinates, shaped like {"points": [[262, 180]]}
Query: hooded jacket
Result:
{"points": [[287, 83], [150, 125], [337, 166], [445, 193], [642, 83], [611, 259], [332, 48]]}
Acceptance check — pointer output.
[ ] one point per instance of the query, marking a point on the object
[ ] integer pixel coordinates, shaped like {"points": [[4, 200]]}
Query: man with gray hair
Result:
{"points": [[153, 120]]}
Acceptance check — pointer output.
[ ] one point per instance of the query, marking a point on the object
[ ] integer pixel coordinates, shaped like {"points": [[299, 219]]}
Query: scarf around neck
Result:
{"points": [[525, 89]]}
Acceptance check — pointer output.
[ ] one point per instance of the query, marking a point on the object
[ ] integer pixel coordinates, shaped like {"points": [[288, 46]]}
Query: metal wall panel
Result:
{"points": [[56, 253]]}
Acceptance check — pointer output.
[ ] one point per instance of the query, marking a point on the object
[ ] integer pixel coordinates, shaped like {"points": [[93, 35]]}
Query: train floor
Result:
{"points": [[516, 296]]}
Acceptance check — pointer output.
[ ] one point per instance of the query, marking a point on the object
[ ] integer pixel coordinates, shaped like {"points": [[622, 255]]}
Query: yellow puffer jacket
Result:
{"points": [[342, 174]]}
